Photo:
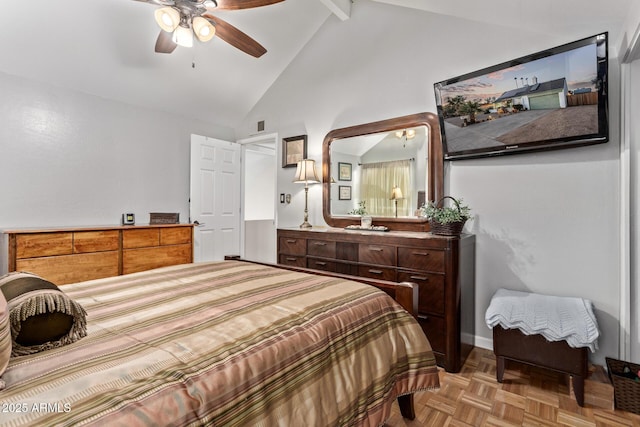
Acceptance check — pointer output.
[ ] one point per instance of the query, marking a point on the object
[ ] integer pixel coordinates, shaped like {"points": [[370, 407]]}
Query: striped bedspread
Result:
{"points": [[224, 344]]}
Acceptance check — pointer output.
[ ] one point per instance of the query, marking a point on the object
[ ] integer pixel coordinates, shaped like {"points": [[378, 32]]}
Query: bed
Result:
{"points": [[226, 343]]}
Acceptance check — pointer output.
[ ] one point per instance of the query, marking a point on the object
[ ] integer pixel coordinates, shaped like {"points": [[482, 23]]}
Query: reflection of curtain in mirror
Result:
{"points": [[376, 182]]}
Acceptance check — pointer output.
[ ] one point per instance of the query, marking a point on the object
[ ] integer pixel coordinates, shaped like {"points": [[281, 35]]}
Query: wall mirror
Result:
{"points": [[393, 166]]}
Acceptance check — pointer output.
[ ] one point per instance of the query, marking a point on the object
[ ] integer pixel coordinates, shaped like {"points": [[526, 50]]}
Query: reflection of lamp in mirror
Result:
{"points": [[396, 194], [407, 134], [306, 174]]}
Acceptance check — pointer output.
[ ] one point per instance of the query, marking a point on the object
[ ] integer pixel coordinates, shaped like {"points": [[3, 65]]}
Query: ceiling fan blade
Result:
{"points": [[235, 37], [243, 4], [164, 43]]}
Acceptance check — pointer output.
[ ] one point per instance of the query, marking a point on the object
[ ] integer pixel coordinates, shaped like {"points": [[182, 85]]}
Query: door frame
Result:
{"points": [[253, 140]]}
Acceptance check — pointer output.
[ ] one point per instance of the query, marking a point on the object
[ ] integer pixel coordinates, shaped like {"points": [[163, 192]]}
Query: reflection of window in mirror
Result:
{"points": [[378, 179], [380, 162]]}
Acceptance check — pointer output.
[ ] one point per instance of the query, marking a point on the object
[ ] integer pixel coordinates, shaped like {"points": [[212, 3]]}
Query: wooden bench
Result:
{"points": [[535, 350]]}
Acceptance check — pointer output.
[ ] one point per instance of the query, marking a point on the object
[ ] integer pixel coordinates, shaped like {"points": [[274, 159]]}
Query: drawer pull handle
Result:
{"points": [[421, 253], [292, 259], [375, 271], [291, 241], [376, 249], [425, 278], [320, 243], [321, 263], [423, 317]]}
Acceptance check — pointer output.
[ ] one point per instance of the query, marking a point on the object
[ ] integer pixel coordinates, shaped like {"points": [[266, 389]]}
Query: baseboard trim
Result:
{"points": [[486, 343]]}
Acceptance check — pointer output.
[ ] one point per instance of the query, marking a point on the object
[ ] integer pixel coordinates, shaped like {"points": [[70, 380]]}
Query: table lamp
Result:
{"points": [[306, 174], [396, 194]]}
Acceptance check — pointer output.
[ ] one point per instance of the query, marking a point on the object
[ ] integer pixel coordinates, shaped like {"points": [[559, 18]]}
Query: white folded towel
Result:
{"points": [[555, 318]]}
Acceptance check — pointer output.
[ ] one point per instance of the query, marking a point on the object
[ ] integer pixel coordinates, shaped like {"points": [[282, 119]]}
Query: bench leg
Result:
{"points": [[499, 368], [406, 406], [578, 389]]}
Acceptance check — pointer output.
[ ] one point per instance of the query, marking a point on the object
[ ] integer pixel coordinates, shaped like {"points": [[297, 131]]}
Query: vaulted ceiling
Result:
{"points": [[106, 47]]}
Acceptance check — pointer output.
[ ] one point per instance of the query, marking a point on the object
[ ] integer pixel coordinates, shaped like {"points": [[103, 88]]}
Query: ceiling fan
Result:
{"points": [[180, 20]]}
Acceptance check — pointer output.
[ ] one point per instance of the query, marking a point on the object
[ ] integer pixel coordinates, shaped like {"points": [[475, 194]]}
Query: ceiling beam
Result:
{"points": [[340, 8]]}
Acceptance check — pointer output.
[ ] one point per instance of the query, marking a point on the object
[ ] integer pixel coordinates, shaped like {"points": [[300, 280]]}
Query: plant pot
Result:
{"points": [[366, 221]]}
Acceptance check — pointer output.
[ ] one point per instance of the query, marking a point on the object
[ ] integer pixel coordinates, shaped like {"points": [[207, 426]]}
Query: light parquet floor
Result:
{"points": [[528, 397]]}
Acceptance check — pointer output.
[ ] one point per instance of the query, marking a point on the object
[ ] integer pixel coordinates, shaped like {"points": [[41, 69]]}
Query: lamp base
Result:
{"points": [[306, 225]]}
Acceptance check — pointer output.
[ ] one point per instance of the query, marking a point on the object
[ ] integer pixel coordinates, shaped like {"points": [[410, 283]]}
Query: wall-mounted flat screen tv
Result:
{"points": [[552, 99]]}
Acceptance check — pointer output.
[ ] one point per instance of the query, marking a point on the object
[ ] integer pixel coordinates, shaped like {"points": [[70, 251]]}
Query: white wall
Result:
{"points": [[635, 213], [546, 222], [259, 203], [259, 185], [630, 180], [68, 158], [343, 207]]}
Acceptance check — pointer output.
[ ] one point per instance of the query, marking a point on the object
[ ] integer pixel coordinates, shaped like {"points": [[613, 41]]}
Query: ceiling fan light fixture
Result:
{"points": [[167, 18], [406, 134], [203, 29], [183, 36]]}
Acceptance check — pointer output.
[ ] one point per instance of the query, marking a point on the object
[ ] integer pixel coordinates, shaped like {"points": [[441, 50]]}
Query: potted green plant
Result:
{"points": [[361, 210], [446, 220]]}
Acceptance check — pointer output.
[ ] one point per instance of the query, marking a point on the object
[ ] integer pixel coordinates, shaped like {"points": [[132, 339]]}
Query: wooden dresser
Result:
{"points": [[74, 254], [443, 267]]}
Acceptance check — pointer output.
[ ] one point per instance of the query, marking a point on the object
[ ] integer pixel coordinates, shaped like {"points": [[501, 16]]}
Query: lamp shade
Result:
{"points": [[396, 193], [306, 172], [203, 29], [167, 18], [183, 36]]}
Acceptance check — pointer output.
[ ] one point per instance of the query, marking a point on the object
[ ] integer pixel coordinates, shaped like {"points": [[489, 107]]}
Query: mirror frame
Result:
{"points": [[435, 173]]}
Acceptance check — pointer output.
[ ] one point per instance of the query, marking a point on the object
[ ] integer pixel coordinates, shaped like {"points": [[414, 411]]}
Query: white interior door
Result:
{"points": [[215, 198]]}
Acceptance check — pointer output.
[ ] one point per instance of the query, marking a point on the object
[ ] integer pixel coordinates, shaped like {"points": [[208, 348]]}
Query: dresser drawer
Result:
{"points": [[381, 273], [140, 238], [346, 268], [296, 261], [431, 290], [43, 244], [321, 248], [319, 264], [421, 259], [95, 241], [347, 251], [65, 269], [175, 235], [134, 260], [293, 246], [434, 329], [377, 254]]}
